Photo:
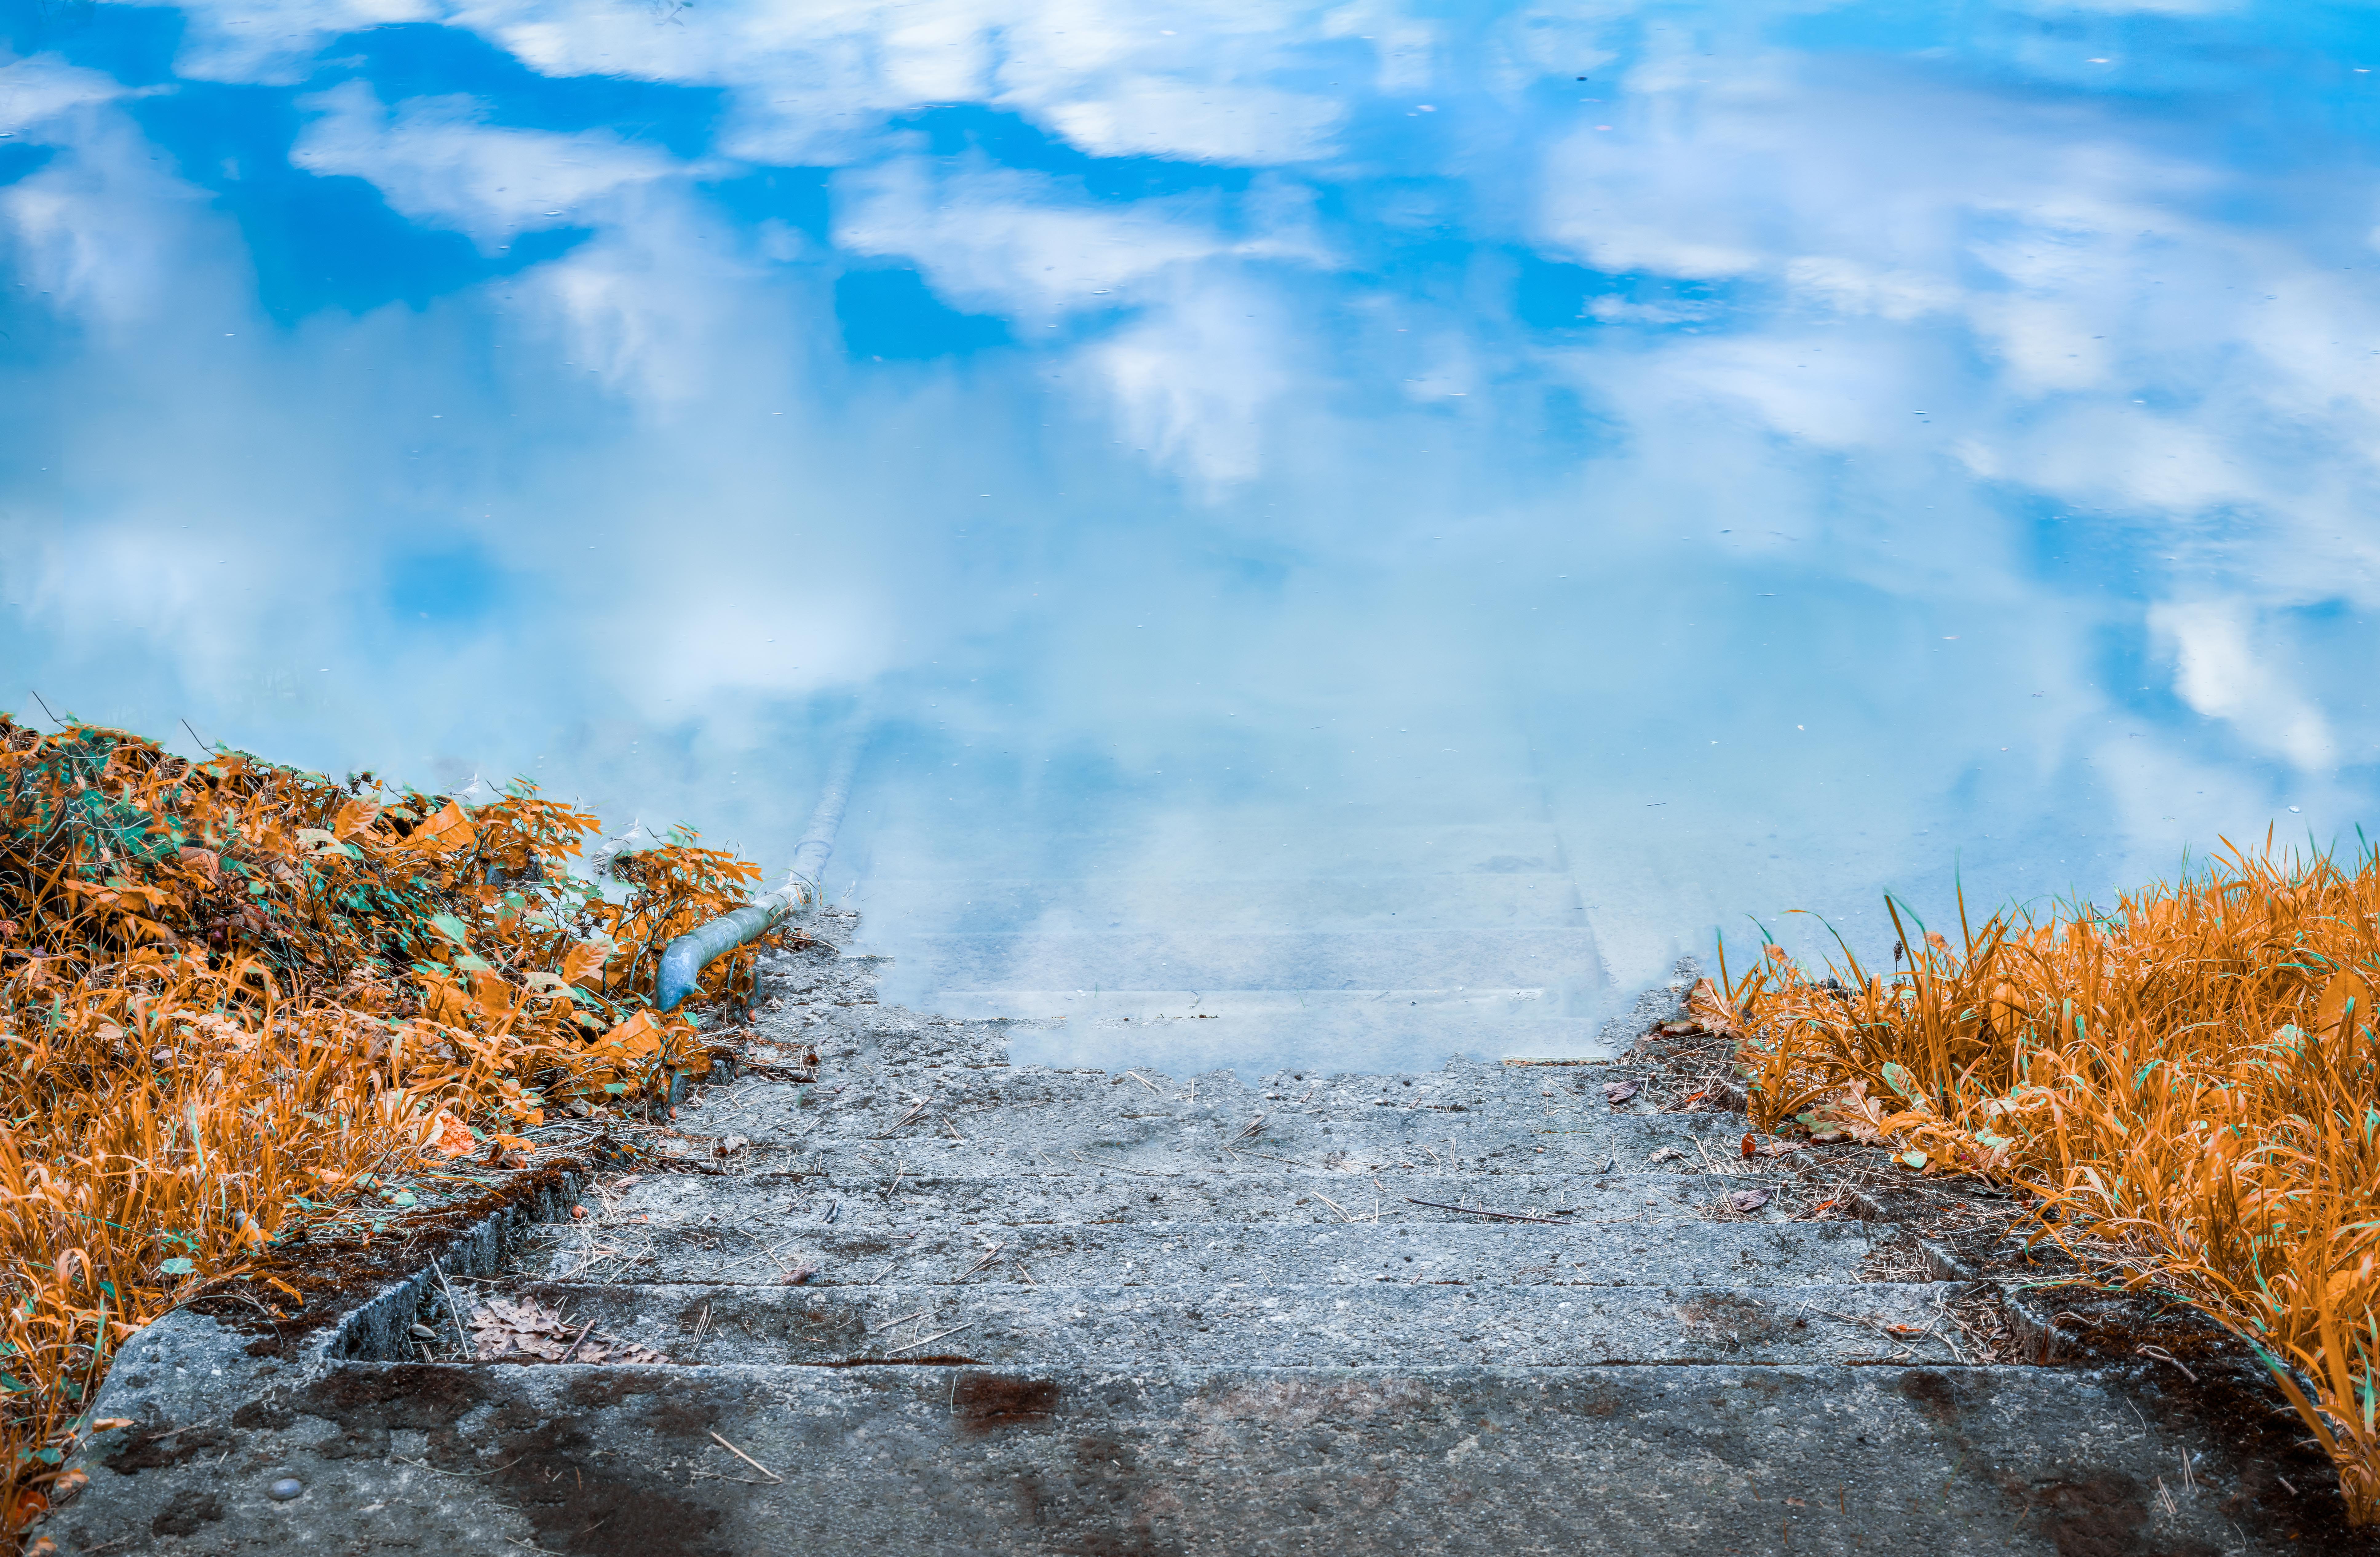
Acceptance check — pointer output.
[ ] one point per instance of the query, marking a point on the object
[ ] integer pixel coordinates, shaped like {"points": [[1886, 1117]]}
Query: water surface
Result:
{"points": [[1380, 525]]}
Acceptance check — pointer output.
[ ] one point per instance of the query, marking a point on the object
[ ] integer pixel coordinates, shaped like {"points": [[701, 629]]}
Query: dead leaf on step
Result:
{"points": [[1713, 1011], [1618, 1093], [1748, 1199], [523, 1329], [1667, 1153], [729, 1146]]}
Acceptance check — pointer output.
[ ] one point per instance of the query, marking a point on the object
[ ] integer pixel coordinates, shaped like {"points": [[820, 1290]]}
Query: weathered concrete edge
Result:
{"points": [[186, 1369], [1662, 1001]]}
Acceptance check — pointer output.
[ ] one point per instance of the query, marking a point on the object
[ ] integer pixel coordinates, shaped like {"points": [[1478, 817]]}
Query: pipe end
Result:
{"points": [[680, 972]]}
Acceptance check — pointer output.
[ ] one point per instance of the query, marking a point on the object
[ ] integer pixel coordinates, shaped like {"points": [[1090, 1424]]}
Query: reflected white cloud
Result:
{"points": [[2220, 671], [435, 160], [1151, 116], [274, 42], [994, 241]]}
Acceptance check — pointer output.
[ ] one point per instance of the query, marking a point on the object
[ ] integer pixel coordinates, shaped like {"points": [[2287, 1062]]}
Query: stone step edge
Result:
{"points": [[1518, 1373], [517, 1281]]}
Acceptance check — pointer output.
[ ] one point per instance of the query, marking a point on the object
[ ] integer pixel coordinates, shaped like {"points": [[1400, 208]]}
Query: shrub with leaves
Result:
{"points": [[2192, 1080], [235, 997]]}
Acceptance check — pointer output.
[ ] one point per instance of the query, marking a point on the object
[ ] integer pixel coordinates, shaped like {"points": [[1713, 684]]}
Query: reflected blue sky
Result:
{"points": [[1324, 506]]}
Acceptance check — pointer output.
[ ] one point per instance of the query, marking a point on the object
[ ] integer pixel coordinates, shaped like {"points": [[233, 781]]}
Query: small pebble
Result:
{"points": [[286, 1488]]}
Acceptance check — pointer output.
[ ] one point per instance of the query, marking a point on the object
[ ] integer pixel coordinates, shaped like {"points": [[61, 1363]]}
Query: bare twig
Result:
{"points": [[572, 1349], [454, 1310], [913, 1345], [909, 1119], [989, 1256], [1473, 1211], [175, 1433], [746, 1458]]}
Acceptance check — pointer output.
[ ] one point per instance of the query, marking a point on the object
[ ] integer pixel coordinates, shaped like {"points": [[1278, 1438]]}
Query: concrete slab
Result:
{"points": [[1186, 1349], [906, 1190], [1137, 1457], [1707, 1254], [1422, 1319]]}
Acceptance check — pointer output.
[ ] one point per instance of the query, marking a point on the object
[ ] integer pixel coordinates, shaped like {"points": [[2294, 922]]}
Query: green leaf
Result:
{"points": [[1913, 1157], [14, 1385], [451, 927], [1897, 1076], [404, 1197]]}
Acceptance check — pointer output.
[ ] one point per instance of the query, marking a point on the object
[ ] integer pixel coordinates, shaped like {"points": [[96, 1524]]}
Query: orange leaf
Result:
{"points": [[580, 961], [2345, 985], [354, 816], [639, 1035], [448, 830], [493, 996], [450, 1137]]}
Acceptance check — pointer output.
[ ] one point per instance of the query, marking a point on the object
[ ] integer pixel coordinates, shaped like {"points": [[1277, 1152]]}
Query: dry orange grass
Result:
{"points": [[236, 997], [2193, 1079]]}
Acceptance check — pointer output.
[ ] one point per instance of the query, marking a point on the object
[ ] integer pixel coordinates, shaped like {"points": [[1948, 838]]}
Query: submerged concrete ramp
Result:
{"points": [[931, 1303]]}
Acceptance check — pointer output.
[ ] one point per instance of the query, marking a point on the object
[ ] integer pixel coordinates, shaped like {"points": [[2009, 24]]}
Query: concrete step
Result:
{"points": [[1135, 1456], [1480, 899], [894, 1193], [1319, 845], [1462, 1089], [1159, 1147], [1706, 1254], [1193, 1344], [1249, 1032], [1376, 1031], [1329, 1034], [1370, 960], [1317, 1009], [970, 1114], [1422, 1321]]}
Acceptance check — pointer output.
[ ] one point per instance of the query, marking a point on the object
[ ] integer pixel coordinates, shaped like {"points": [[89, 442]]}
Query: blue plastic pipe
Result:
{"points": [[685, 958]]}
